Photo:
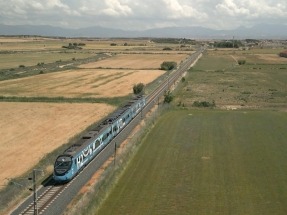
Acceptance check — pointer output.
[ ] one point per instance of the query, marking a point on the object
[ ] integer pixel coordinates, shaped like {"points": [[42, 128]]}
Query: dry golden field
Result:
{"points": [[136, 61], [31, 130], [96, 83]]}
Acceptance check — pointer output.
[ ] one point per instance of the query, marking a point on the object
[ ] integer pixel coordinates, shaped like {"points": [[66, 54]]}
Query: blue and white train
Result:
{"points": [[77, 156]]}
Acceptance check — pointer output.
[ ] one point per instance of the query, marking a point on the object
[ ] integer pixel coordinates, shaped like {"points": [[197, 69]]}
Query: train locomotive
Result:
{"points": [[77, 156]]}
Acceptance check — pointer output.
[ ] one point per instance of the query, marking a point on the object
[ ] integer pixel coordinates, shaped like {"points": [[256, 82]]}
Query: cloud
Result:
{"points": [[138, 14], [116, 8], [176, 10], [253, 9], [232, 8]]}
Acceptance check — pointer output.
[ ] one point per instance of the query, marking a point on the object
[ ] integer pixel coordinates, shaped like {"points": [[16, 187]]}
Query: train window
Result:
{"points": [[110, 131], [115, 129], [124, 119], [105, 136], [97, 143]]}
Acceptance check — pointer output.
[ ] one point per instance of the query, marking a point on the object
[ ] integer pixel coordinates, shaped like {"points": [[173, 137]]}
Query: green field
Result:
{"points": [[14, 60], [260, 83], [207, 162]]}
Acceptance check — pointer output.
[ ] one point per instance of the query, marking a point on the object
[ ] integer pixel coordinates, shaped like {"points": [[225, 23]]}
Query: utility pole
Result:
{"points": [[35, 193], [35, 190], [115, 154]]}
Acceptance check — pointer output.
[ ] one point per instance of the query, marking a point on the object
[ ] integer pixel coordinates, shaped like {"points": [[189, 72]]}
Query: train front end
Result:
{"points": [[63, 171]]}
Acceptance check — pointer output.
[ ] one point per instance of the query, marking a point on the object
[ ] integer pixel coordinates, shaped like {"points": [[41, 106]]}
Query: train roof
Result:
{"points": [[99, 128]]}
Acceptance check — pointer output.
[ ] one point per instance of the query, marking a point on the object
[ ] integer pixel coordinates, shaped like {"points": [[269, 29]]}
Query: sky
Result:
{"points": [[143, 14]]}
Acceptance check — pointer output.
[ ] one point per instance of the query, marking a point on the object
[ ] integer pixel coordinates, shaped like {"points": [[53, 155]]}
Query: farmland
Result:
{"points": [[136, 61], [38, 129], [226, 160], [31, 130], [260, 83], [207, 162], [79, 83]]}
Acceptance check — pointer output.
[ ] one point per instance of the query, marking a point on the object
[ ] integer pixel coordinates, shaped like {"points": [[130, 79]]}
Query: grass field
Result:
{"points": [[207, 162], [260, 83], [14, 60]]}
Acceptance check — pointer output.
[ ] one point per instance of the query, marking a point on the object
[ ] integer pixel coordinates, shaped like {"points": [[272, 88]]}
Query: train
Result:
{"points": [[78, 155]]}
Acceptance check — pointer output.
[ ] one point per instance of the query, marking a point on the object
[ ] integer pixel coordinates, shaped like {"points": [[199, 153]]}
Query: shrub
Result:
{"points": [[203, 104], [168, 97], [167, 49], [241, 62], [138, 89], [168, 65], [283, 54], [21, 66]]}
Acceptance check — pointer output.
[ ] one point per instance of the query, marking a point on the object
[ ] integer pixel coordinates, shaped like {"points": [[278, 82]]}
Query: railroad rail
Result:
{"points": [[52, 199]]}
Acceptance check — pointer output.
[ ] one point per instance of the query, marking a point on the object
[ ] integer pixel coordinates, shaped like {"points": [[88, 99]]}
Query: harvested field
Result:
{"points": [[136, 61], [79, 83], [31, 130], [272, 58]]}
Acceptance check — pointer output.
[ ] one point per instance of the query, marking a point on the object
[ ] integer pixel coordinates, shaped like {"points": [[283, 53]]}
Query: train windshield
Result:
{"points": [[62, 165]]}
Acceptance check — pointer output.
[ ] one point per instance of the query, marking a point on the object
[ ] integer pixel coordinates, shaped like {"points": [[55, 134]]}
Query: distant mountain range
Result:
{"points": [[262, 31]]}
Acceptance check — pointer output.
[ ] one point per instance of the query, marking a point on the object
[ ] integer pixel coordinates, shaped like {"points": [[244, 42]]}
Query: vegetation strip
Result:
{"points": [[112, 101]]}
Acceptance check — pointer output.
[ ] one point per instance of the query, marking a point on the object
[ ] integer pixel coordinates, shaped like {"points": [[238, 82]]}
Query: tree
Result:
{"points": [[168, 97], [168, 65], [138, 89]]}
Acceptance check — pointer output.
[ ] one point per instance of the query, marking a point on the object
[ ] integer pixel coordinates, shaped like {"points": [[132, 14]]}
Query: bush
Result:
{"points": [[283, 54], [168, 65], [167, 49], [203, 104], [74, 46], [40, 64], [138, 89], [241, 62], [21, 66], [168, 97]]}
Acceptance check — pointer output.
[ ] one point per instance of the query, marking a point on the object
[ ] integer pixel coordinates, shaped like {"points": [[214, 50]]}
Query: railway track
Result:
{"points": [[49, 196]]}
